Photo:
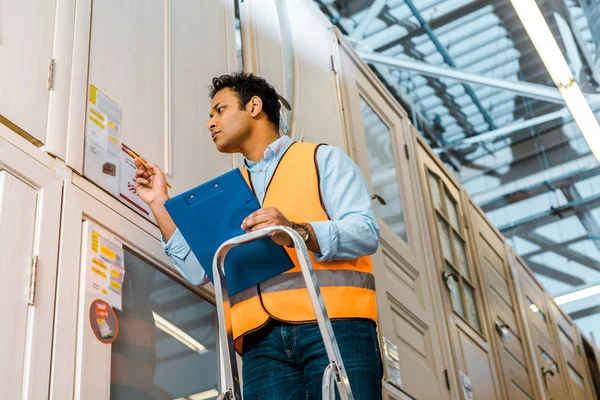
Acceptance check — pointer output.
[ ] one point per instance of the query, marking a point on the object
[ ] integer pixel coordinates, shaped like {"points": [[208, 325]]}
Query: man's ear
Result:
{"points": [[255, 106]]}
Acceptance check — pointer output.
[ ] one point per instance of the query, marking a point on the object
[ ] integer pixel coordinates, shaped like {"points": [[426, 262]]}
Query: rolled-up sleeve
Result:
{"points": [[184, 259], [352, 230]]}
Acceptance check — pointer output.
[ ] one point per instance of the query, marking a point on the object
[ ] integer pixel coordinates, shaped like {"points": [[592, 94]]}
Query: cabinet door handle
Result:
{"points": [[546, 371], [503, 330], [446, 275], [379, 199]]}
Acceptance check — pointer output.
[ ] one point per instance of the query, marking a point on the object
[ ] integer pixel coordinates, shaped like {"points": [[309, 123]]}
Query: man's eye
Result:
{"points": [[221, 109]]}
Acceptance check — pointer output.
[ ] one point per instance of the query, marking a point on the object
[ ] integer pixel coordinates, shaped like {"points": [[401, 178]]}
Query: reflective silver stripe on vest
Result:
{"points": [[325, 277]]}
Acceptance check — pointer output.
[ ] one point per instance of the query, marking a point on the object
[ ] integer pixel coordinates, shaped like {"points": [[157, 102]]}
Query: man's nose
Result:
{"points": [[211, 125]]}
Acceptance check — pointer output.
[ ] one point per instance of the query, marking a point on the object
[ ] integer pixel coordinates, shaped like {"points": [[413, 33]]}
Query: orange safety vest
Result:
{"points": [[347, 286]]}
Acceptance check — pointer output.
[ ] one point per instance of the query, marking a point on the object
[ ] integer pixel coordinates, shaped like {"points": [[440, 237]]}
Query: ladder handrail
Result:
{"points": [[229, 375]]}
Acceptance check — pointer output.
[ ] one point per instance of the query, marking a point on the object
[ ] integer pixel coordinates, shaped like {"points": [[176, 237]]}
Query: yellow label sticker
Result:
{"points": [[115, 285], [115, 273], [111, 125], [99, 264], [104, 291], [112, 139], [94, 120], [108, 252], [96, 270], [95, 238], [97, 114], [93, 90]]}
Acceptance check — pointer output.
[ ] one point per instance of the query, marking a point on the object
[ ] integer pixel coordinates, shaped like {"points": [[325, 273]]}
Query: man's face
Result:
{"points": [[229, 126]]}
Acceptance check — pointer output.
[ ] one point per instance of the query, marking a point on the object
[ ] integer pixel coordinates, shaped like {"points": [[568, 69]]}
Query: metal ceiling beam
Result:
{"points": [[372, 13], [551, 139], [499, 100], [453, 158], [586, 312], [511, 128], [451, 134], [441, 90], [585, 217], [436, 23], [587, 56], [539, 188], [554, 247], [546, 217], [525, 89], [552, 273], [565, 252], [448, 59]]}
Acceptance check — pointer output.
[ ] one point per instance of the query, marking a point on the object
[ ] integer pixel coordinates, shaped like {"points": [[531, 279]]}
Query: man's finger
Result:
{"points": [[153, 167], [142, 181], [254, 214], [260, 226], [252, 221], [142, 173]]}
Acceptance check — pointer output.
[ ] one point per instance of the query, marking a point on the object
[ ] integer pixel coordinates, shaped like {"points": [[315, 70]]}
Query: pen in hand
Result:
{"points": [[150, 171]]}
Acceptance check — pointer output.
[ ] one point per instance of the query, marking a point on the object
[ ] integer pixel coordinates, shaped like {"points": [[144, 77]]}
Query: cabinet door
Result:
{"points": [[591, 359], [547, 350], [504, 322], [457, 276], [29, 216], [407, 317], [298, 62], [156, 60], [575, 363], [166, 342], [26, 34]]}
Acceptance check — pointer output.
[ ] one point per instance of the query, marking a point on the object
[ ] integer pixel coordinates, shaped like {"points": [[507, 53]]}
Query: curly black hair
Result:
{"points": [[247, 86]]}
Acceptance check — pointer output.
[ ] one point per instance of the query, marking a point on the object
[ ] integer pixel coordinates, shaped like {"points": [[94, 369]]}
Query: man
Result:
{"points": [[321, 193]]}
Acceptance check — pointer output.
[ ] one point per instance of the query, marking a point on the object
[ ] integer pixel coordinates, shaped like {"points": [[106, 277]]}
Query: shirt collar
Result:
{"points": [[274, 150]]}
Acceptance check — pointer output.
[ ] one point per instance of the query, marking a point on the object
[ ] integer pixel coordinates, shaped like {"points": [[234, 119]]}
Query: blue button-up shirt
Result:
{"points": [[352, 231]]}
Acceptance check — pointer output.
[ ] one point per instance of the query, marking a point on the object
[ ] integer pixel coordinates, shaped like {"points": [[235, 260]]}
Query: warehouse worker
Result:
{"points": [[318, 191]]}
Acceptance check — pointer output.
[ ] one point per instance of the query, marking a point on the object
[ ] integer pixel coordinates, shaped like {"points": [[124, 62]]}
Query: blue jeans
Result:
{"points": [[283, 361]]}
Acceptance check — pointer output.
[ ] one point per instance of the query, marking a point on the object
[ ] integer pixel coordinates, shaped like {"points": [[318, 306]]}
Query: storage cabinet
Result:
{"points": [[504, 318], [26, 41], [30, 196], [546, 351], [408, 318], [458, 278], [155, 60], [299, 62], [566, 334], [166, 343]]}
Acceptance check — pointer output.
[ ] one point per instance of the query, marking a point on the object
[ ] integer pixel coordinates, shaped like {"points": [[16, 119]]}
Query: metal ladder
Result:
{"points": [[228, 368]]}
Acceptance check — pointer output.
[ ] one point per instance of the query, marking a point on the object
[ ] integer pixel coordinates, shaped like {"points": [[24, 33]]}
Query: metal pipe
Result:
{"points": [[541, 218], [541, 135], [512, 128], [524, 89], [522, 109], [537, 188], [372, 13]]}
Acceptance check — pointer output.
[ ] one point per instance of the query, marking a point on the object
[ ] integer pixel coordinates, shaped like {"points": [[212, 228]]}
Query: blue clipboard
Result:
{"points": [[212, 213]]}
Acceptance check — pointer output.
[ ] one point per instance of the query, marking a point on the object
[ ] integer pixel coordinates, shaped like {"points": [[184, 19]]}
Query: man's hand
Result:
{"points": [[265, 217], [150, 188]]}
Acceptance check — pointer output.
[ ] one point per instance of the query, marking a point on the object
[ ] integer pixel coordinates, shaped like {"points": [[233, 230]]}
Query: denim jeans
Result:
{"points": [[284, 361]]}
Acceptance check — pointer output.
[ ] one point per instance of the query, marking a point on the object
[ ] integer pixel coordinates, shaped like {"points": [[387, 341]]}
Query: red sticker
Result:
{"points": [[103, 321]]}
